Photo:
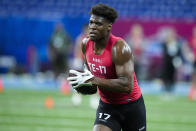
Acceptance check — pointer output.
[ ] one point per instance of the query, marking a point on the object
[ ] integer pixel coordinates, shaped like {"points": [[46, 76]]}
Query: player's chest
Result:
{"points": [[101, 65]]}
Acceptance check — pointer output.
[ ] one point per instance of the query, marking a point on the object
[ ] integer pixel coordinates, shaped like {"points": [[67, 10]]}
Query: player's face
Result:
{"points": [[98, 28]]}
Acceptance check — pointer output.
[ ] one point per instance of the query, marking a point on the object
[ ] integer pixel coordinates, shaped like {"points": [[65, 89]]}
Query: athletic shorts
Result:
{"points": [[126, 117]]}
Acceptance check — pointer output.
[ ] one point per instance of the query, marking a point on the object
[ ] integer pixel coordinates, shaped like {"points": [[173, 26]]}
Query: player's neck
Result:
{"points": [[100, 44]]}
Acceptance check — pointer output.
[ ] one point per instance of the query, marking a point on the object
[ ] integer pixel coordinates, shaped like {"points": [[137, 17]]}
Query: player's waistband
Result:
{"points": [[128, 103]]}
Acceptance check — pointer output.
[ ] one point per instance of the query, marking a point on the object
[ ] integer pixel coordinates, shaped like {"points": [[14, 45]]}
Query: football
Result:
{"points": [[85, 90]]}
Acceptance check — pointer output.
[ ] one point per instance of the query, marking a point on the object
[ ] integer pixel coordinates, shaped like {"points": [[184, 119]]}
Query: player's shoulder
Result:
{"points": [[121, 46], [84, 42], [121, 51], [117, 41]]}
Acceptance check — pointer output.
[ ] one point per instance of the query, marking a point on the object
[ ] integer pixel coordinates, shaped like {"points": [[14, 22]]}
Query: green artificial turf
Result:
{"points": [[24, 110]]}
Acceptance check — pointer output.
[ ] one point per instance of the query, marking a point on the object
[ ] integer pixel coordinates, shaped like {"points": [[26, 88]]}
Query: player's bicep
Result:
{"points": [[125, 70], [123, 60]]}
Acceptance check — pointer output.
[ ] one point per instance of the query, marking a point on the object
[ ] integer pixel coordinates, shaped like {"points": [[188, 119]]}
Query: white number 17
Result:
{"points": [[105, 116]]}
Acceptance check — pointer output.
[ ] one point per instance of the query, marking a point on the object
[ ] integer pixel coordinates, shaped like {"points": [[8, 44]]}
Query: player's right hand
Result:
{"points": [[79, 79]]}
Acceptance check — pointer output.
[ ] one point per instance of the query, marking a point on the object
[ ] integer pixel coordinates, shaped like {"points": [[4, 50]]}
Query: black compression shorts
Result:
{"points": [[126, 117]]}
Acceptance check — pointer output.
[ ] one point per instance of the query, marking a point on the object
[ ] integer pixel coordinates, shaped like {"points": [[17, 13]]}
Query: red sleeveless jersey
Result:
{"points": [[103, 67]]}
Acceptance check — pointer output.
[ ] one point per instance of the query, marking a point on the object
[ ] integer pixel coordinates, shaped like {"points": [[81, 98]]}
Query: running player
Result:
{"points": [[110, 61]]}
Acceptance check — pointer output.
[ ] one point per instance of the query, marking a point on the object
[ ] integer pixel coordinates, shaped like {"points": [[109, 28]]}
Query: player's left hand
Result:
{"points": [[80, 78]]}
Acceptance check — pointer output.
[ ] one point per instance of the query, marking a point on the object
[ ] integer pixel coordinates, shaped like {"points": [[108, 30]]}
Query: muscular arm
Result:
{"points": [[83, 48], [123, 60]]}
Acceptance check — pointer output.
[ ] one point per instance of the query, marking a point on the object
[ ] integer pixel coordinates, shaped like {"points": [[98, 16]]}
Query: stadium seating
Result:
{"points": [[132, 8]]}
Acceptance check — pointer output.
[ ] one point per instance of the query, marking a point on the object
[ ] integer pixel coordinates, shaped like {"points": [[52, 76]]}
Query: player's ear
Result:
{"points": [[109, 26]]}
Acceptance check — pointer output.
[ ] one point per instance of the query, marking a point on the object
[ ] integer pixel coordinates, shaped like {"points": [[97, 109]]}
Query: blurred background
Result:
{"points": [[40, 41]]}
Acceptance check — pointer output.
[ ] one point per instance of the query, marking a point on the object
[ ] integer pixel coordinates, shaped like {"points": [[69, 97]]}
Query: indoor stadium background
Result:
{"points": [[31, 99]]}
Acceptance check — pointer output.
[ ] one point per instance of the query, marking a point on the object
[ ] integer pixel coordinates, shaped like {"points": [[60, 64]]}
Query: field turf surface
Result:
{"points": [[24, 110]]}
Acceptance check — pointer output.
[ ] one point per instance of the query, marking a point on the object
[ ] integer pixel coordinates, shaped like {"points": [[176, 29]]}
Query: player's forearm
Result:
{"points": [[116, 85]]}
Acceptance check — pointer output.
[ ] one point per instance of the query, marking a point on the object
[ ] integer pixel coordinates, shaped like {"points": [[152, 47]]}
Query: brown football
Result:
{"points": [[85, 90]]}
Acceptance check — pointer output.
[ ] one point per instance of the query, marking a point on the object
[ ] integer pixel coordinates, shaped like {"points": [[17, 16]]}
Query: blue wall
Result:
{"points": [[17, 33]]}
